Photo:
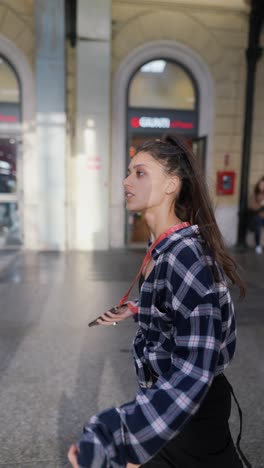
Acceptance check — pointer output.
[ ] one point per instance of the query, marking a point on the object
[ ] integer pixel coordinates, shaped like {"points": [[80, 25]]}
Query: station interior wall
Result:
{"points": [[218, 35]]}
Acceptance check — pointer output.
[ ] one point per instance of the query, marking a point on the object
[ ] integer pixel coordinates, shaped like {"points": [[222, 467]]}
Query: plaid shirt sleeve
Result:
{"points": [[136, 431]]}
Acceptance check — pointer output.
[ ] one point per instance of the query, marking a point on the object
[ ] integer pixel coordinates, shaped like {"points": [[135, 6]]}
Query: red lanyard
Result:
{"points": [[148, 256]]}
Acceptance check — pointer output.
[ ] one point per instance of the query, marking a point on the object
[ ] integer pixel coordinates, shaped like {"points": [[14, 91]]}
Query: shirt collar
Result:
{"points": [[164, 244]]}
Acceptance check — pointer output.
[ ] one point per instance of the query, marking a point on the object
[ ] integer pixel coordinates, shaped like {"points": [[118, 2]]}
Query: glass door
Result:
{"points": [[199, 149], [10, 228], [10, 156]]}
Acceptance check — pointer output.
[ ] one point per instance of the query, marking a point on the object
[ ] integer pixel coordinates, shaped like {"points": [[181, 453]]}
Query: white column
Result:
{"points": [[50, 118], [93, 113]]}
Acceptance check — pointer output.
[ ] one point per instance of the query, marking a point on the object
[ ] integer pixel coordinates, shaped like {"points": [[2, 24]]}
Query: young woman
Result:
{"points": [[187, 332], [256, 206]]}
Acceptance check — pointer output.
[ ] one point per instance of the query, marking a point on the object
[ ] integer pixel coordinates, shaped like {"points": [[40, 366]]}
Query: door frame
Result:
{"points": [[203, 140]]}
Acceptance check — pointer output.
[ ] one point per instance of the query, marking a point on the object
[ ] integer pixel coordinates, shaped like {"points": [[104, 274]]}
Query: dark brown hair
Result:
{"points": [[193, 203]]}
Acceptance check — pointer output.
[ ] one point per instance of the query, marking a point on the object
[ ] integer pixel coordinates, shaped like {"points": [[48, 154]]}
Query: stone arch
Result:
{"points": [[175, 51], [168, 25], [17, 26]]}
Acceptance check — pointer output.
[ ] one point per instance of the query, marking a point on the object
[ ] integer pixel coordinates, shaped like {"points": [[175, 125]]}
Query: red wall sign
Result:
{"points": [[144, 121]]}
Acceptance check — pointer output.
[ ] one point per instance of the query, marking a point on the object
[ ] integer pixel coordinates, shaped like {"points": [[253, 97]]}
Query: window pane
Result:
{"points": [[10, 233], [9, 94], [9, 89], [162, 85]]}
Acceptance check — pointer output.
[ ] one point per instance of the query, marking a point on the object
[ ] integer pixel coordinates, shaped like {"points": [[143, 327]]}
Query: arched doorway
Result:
{"points": [[10, 157], [162, 97], [189, 60]]}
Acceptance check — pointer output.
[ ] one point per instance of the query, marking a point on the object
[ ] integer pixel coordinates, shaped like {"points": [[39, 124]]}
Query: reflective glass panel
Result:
{"points": [[9, 87], [161, 84], [10, 232], [10, 108]]}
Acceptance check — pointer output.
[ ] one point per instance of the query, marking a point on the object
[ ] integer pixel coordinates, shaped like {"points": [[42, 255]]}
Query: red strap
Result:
{"points": [[147, 259]]}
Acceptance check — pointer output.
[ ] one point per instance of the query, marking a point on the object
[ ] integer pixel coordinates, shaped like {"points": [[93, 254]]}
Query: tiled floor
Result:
{"points": [[55, 372]]}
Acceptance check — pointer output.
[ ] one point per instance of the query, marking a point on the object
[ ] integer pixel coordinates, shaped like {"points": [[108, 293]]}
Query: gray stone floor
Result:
{"points": [[55, 372]]}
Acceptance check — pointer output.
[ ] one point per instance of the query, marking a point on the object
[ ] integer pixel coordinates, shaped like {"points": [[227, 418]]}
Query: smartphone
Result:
{"points": [[113, 310]]}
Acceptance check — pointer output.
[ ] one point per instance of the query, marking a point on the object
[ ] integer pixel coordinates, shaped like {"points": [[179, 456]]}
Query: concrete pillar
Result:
{"points": [[91, 184], [50, 121]]}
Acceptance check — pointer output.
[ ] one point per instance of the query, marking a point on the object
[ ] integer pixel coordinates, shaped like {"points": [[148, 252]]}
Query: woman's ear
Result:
{"points": [[173, 185]]}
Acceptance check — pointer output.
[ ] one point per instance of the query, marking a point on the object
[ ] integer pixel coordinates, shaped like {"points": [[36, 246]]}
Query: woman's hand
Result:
{"points": [[122, 313], [72, 456]]}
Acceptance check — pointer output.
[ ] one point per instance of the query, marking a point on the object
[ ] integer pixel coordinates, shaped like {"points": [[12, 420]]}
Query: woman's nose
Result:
{"points": [[126, 181]]}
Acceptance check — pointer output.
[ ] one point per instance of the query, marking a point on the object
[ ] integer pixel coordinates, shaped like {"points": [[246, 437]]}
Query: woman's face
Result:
{"points": [[146, 186]]}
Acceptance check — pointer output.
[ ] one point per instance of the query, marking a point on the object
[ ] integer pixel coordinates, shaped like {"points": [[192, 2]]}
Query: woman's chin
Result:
{"points": [[131, 206], [134, 208]]}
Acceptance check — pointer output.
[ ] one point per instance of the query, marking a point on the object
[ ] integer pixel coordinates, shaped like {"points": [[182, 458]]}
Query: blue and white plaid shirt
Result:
{"points": [[186, 336]]}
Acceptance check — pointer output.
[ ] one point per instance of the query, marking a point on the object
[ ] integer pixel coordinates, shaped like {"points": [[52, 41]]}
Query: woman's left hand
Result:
{"points": [[121, 313], [72, 456]]}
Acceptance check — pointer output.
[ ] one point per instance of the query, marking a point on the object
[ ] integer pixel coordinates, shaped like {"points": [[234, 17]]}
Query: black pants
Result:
{"points": [[205, 441]]}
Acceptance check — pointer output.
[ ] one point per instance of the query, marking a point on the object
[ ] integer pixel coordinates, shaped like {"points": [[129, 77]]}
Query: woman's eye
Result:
{"points": [[140, 173]]}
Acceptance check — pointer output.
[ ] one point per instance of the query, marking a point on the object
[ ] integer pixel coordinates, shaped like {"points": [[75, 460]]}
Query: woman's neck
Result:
{"points": [[159, 224]]}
